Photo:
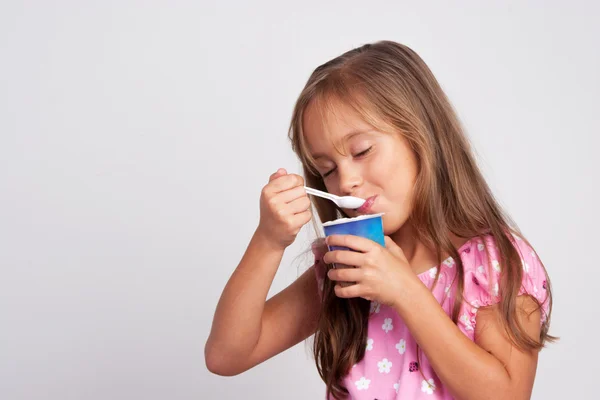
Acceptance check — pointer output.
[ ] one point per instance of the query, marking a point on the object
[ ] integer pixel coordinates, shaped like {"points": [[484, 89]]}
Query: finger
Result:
{"points": [[299, 205], [280, 172], [353, 242], [346, 274], [286, 182], [348, 291], [344, 257], [302, 218], [290, 195]]}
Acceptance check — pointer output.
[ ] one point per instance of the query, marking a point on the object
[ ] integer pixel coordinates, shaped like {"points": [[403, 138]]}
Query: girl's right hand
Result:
{"points": [[284, 208]]}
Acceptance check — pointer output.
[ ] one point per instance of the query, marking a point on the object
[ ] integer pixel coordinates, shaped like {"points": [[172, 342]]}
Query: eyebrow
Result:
{"points": [[345, 139]]}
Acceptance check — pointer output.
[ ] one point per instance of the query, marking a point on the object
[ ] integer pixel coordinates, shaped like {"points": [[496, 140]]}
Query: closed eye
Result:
{"points": [[361, 154]]}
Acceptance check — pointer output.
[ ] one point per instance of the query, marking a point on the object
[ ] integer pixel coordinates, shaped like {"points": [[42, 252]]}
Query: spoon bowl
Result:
{"points": [[349, 202]]}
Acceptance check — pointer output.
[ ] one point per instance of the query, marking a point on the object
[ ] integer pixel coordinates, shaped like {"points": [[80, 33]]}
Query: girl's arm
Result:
{"points": [[489, 368], [246, 328], [247, 331]]}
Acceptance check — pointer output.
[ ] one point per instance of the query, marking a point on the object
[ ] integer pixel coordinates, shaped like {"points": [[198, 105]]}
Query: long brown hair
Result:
{"points": [[392, 88]]}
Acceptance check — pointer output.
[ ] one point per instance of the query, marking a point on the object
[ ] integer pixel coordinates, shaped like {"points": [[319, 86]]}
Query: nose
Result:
{"points": [[350, 179]]}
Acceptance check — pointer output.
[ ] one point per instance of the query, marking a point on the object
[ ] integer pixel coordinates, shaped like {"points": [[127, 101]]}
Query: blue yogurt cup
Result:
{"points": [[368, 226]]}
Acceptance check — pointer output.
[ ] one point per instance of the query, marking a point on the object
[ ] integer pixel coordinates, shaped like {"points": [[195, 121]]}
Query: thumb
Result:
{"points": [[393, 247], [280, 172]]}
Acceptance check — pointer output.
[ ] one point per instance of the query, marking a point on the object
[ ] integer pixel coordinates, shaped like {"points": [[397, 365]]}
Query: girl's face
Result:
{"points": [[354, 159]]}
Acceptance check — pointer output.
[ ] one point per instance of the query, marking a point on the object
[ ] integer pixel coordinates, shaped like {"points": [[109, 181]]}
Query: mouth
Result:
{"points": [[364, 209]]}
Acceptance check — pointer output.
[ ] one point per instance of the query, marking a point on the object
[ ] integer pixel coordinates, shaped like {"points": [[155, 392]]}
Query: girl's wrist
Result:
{"points": [[411, 296], [263, 241]]}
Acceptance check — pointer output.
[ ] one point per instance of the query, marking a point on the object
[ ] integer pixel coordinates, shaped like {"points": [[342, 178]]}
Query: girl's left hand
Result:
{"points": [[381, 273]]}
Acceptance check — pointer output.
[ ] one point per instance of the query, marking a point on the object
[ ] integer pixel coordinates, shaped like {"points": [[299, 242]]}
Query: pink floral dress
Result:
{"points": [[390, 369]]}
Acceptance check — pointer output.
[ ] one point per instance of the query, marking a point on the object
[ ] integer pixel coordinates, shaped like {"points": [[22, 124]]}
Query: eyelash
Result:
{"points": [[361, 154]]}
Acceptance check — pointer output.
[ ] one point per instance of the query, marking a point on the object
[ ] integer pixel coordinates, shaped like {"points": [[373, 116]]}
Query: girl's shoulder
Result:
{"points": [[483, 267]]}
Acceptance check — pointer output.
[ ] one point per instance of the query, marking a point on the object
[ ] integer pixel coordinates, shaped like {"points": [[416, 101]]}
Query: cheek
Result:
{"points": [[399, 189], [397, 178], [331, 186]]}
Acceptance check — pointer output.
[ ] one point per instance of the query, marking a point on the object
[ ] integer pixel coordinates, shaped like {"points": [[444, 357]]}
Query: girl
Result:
{"points": [[456, 305]]}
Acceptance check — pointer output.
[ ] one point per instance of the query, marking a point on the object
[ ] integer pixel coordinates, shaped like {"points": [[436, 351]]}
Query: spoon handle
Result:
{"points": [[319, 193]]}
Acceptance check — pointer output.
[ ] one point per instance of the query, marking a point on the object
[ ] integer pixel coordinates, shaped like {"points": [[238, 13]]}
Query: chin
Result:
{"points": [[389, 232], [391, 225]]}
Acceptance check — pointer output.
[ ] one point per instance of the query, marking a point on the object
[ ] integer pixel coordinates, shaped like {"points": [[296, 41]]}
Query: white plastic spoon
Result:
{"points": [[342, 201]]}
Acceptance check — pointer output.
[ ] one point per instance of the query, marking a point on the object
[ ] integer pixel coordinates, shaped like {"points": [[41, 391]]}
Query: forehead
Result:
{"points": [[329, 124]]}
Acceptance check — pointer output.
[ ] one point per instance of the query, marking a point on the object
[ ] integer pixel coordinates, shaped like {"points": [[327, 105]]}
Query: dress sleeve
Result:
{"points": [[482, 274]]}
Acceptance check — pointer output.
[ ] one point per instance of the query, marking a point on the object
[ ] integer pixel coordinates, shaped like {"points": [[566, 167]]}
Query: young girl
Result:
{"points": [[456, 305]]}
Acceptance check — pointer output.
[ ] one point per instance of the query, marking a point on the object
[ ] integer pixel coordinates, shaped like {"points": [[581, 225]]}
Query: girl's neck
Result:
{"points": [[419, 256]]}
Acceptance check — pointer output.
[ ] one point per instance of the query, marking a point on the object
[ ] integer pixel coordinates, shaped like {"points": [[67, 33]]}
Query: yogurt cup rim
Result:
{"points": [[353, 219]]}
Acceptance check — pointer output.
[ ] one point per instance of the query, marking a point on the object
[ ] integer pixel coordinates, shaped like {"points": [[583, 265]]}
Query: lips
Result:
{"points": [[367, 206]]}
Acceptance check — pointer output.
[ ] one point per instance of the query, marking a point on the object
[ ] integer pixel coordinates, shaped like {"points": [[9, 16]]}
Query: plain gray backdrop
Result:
{"points": [[135, 137]]}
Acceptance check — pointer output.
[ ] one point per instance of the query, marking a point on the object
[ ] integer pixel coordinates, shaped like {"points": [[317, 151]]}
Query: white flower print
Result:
{"points": [[449, 262], [401, 346], [362, 383], [375, 307], [397, 386], [387, 325], [384, 366], [480, 269], [428, 386], [495, 290], [369, 344], [533, 255], [432, 272], [496, 265], [480, 246], [447, 289], [467, 321]]}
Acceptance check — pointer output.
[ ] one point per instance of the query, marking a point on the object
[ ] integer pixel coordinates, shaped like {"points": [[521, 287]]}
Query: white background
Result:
{"points": [[135, 137]]}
